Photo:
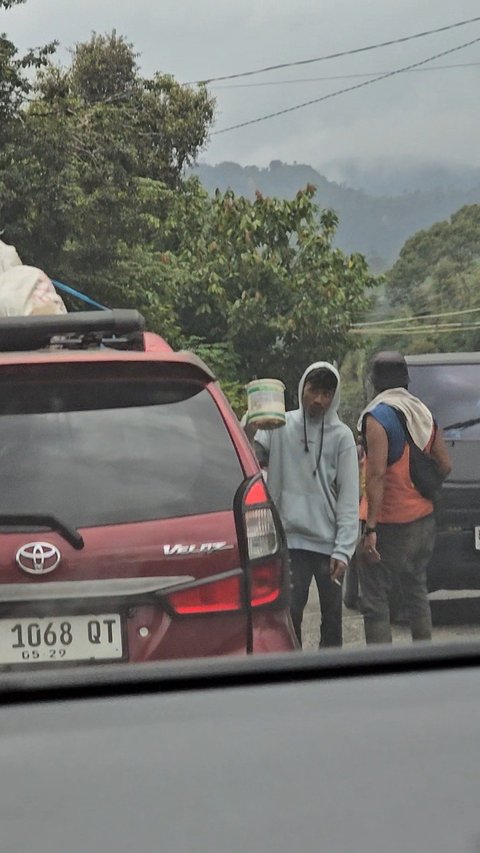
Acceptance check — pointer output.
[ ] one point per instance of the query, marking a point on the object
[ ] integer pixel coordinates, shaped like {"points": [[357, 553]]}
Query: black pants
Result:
{"points": [[305, 565]]}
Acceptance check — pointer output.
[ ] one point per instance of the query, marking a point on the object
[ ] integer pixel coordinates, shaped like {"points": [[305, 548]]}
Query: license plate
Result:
{"points": [[62, 638], [477, 538]]}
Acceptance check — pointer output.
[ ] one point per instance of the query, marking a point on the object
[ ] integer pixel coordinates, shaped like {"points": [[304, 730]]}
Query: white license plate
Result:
{"points": [[61, 638], [477, 538]]}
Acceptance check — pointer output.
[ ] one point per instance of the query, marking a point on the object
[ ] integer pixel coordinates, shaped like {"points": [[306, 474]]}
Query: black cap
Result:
{"points": [[389, 370]]}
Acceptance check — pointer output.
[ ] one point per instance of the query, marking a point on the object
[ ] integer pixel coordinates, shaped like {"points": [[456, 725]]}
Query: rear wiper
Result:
{"points": [[15, 519], [462, 424]]}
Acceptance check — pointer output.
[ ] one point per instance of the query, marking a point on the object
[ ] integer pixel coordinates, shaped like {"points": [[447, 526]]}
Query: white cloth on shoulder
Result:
{"points": [[418, 416]]}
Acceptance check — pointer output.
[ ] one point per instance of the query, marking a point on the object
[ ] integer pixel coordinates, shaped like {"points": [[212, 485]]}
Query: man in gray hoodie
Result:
{"points": [[313, 479]]}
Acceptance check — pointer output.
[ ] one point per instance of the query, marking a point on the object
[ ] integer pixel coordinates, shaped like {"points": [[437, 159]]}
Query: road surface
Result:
{"points": [[456, 617]]}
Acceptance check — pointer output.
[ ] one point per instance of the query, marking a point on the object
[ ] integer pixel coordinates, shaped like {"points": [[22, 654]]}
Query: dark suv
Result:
{"points": [[449, 383], [134, 521]]}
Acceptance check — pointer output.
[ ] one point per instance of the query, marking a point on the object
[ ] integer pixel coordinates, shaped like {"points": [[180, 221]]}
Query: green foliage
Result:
{"points": [[72, 199], [15, 85], [354, 392], [225, 364], [92, 189], [455, 243], [263, 277], [439, 271], [103, 69]]}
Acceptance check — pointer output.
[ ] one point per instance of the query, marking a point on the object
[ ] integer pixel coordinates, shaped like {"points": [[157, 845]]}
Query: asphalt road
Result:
{"points": [[456, 617]]}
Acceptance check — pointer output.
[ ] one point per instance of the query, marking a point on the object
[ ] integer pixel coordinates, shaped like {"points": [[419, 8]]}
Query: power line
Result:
{"points": [[345, 90], [433, 327], [442, 328], [340, 76], [333, 55], [416, 317]]}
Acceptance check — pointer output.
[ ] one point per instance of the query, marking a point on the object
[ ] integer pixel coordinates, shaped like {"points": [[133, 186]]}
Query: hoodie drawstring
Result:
{"points": [[305, 431], [320, 449]]}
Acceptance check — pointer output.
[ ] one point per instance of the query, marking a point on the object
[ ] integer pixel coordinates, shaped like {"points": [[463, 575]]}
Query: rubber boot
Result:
{"points": [[377, 631], [421, 628]]}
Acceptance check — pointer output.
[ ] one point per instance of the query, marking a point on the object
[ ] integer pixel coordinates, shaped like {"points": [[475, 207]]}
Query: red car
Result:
{"points": [[135, 524]]}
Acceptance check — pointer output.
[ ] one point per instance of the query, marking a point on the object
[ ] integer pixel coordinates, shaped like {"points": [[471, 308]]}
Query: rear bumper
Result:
{"points": [[455, 563], [149, 633], [216, 635], [273, 632]]}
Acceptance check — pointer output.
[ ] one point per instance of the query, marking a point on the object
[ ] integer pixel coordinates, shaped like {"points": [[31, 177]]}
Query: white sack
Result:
{"points": [[8, 257], [25, 291]]}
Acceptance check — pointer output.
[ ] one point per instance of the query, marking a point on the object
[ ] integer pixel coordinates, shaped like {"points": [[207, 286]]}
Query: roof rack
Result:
{"points": [[118, 328]]}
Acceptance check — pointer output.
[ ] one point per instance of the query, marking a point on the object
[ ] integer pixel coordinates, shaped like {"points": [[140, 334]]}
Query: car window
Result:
{"points": [[96, 452], [452, 391]]}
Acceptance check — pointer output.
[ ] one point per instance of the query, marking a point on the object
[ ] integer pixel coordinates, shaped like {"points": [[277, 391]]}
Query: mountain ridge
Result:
{"points": [[376, 226]]}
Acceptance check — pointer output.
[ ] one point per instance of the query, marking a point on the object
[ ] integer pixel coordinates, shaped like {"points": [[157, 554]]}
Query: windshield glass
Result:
{"points": [[223, 227], [452, 391]]}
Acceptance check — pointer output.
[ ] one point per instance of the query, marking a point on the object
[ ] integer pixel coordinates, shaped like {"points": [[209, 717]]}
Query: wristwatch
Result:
{"points": [[369, 530]]}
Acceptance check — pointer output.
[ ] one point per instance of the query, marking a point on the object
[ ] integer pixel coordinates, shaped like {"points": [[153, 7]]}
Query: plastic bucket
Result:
{"points": [[266, 403]]}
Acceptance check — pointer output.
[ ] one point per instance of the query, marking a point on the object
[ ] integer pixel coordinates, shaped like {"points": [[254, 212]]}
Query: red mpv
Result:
{"points": [[135, 524]]}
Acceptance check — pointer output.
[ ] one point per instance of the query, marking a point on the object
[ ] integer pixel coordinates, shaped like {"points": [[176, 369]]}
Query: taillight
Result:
{"points": [[222, 595], [259, 522], [266, 583], [262, 577], [263, 540]]}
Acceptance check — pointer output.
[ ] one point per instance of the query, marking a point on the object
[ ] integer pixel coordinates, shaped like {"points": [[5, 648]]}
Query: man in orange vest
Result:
{"points": [[399, 531]]}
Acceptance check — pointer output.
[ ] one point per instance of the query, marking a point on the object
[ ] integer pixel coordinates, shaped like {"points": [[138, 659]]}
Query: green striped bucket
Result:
{"points": [[266, 403]]}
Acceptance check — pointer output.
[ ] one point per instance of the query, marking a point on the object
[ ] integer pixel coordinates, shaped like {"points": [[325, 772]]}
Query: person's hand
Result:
{"points": [[250, 430], [337, 570], [369, 548]]}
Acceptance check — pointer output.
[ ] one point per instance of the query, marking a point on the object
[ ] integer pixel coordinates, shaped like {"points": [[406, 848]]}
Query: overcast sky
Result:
{"points": [[427, 115]]}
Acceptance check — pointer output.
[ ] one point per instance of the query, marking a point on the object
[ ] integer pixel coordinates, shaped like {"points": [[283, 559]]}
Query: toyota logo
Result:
{"points": [[38, 558]]}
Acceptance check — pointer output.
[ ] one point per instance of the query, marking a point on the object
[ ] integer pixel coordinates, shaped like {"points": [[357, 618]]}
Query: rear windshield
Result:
{"points": [[452, 392], [95, 452]]}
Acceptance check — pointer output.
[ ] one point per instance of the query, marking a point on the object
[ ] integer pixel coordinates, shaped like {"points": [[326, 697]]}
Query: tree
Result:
{"points": [[457, 240], [438, 271], [103, 69], [72, 201], [263, 278], [14, 83], [93, 191]]}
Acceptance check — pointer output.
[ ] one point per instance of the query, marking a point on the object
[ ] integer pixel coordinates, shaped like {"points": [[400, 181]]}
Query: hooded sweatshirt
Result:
{"points": [[313, 477]]}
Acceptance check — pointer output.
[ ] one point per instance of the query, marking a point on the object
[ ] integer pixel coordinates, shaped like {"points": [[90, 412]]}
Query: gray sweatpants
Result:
{"points": [[405, 550]]}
